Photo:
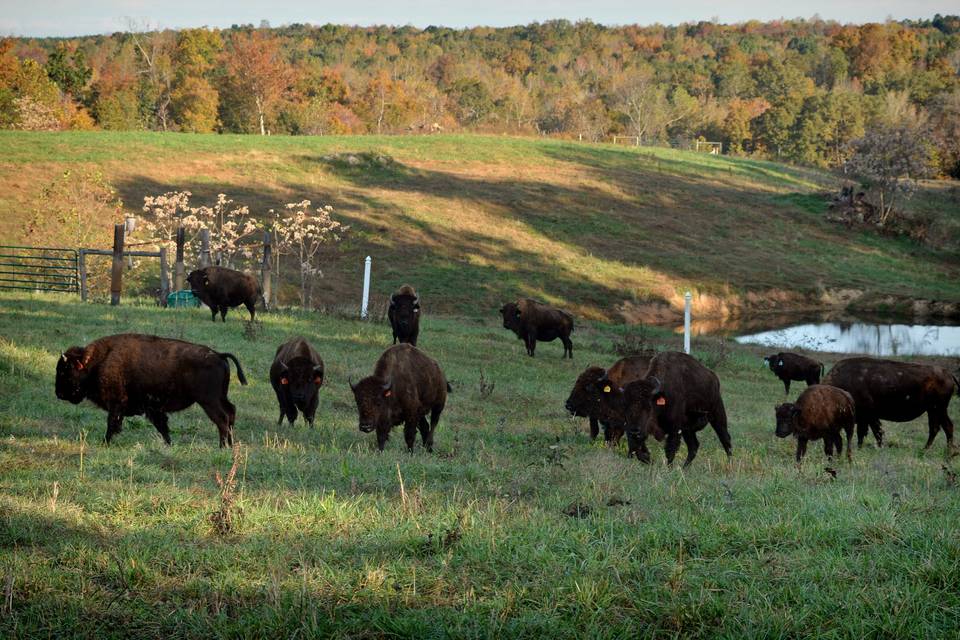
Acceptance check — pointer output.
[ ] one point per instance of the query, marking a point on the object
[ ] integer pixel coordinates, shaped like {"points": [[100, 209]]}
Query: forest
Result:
{"points": [[796, 90]]}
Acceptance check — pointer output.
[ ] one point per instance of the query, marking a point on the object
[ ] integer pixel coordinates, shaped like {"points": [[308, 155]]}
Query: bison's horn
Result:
{"points": [[656, 385], [393, 299], [353, 387], [318, 369], [416, 301], [63, 356], [388, 384]]}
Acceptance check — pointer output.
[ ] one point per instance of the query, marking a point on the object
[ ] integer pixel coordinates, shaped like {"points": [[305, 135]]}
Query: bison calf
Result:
{"points": [[296, 376], [793, 366], [221, 289], [821, 411], [584, 399], [406, 385], [532, 321], [404, 315], [131, 374]]}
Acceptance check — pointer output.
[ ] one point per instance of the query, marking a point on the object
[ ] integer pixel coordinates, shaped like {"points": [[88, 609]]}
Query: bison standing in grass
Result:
{"points": [[821, 411], [896, 391], [405, 387], [221, 289], [584, 399], [676, 398], [131, 374], [404, 315], [793, 366], [533, 321], [296, 376]]}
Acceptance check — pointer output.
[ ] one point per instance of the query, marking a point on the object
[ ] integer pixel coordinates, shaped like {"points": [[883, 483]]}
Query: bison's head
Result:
{"points": [[634, 406], [585, 395], [198, 280], [73, 369], [787, 414], [774, 362], [405, 310], [301, 378], [376, 403], [511, 317]]}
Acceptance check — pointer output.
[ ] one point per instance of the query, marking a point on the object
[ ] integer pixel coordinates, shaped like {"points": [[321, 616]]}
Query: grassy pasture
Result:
{"points": [[117, 541], [613, 233]]}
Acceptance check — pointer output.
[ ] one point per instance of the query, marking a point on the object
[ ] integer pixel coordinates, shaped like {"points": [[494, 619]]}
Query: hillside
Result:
{"points": [[516, 526], [614, 233]]}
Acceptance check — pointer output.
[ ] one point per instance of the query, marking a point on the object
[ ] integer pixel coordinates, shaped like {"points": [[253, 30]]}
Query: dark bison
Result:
{"points": [[404, 315], [132, 374], [406, 385], [821, 411], [896, 391], [584, 398], [677, 397], [296, 376], [221, 289], [793, 366], [533, 321]]}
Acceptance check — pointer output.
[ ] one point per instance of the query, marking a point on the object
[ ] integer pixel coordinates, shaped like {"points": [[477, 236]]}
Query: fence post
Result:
{"points": [[265, 283], [116, 271], [204, 248], [179, 272], [687, 297], [164, 277], [83, 275], [366, 287]]}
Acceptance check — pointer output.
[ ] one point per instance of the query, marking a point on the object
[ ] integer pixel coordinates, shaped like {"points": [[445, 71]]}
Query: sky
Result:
{"points": [[86, 17]]}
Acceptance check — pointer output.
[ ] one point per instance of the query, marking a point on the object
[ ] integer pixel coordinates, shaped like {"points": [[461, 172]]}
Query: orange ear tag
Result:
{"points": [[661, 401], [387, 394], [318, 380], [284, 381]]}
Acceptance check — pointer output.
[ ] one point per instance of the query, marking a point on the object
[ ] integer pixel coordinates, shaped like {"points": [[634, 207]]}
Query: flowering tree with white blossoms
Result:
{"points": [[302, 233]]}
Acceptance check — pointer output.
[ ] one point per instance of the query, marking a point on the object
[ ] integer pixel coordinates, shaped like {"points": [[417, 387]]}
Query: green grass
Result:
{"points": [[326, 544], [613, 233]]}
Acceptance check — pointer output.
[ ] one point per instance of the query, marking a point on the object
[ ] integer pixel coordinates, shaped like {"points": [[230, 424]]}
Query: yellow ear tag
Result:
{"points": [[606, 389]]}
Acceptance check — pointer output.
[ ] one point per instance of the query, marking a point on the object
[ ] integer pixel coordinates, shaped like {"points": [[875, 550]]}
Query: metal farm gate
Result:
{"points": [[39, 269]]}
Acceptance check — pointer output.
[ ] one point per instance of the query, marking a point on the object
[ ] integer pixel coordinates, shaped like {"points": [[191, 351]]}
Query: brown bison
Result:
{"points": [[404, 315], [296, 376], [406, 385], [793, 366], [533, 321], [221, 289], [821, 411], [677, 397], [584, 398], [896, 391], [132, 374]]}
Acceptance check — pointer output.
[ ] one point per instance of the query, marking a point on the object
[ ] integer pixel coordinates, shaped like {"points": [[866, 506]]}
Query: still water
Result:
{"points": [[863, 337]]}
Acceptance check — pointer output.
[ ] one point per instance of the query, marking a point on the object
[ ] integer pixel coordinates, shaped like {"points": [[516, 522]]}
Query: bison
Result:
{"points": [[585, 395], [533, 321], [793, 366], [897, 391], [221, 289], [132, 374], [406, 385], [821, 411], [677, 397], [296, 376], [404, 315]]}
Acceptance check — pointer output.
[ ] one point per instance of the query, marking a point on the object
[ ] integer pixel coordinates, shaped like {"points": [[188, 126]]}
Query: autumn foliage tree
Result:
{"points": [[257, 71]]}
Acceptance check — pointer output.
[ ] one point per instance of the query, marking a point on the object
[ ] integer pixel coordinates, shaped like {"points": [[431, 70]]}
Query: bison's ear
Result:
{"points": [[318, 375]]}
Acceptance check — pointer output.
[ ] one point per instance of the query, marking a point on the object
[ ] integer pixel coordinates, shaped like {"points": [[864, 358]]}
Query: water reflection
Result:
{"points": [[862, 337]]}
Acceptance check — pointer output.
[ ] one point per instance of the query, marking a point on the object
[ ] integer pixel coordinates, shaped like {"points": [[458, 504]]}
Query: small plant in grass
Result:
{"points": [[486, 386], [634, 343], [713, 353], [225, 518], [252, 330]]}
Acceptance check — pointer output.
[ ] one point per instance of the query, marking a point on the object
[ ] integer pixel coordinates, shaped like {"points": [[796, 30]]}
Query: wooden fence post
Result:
{"points": [[116, 271], [265, 283], [179, 272], [83, 275], [164, 277], [204, 248]]}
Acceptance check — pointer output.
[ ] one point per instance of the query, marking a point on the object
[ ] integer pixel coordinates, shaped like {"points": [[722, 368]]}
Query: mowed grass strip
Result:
{"points": [[474, 220], [517, 526]]}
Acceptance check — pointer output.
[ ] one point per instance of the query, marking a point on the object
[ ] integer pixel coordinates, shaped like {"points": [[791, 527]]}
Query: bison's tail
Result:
{"points": [[956, 382], [822, 371], [242, 378]]}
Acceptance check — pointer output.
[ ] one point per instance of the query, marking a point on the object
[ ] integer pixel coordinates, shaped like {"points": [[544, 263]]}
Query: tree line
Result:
{"points": [[799, 90]]}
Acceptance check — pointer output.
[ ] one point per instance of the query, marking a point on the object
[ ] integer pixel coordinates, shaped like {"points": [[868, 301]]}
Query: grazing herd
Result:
{"points": [[670, 395]]}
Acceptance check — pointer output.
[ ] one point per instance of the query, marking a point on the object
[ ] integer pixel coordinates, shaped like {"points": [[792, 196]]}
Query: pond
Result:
{"points": [[871, 338]]}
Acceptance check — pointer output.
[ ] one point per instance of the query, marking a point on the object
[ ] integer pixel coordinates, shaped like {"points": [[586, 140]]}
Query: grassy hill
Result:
{"points": [[612, 232], [517, 526]]}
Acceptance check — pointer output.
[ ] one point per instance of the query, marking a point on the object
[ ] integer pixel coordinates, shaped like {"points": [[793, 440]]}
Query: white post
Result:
{"points": [[366, 287], [687, 297]]}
